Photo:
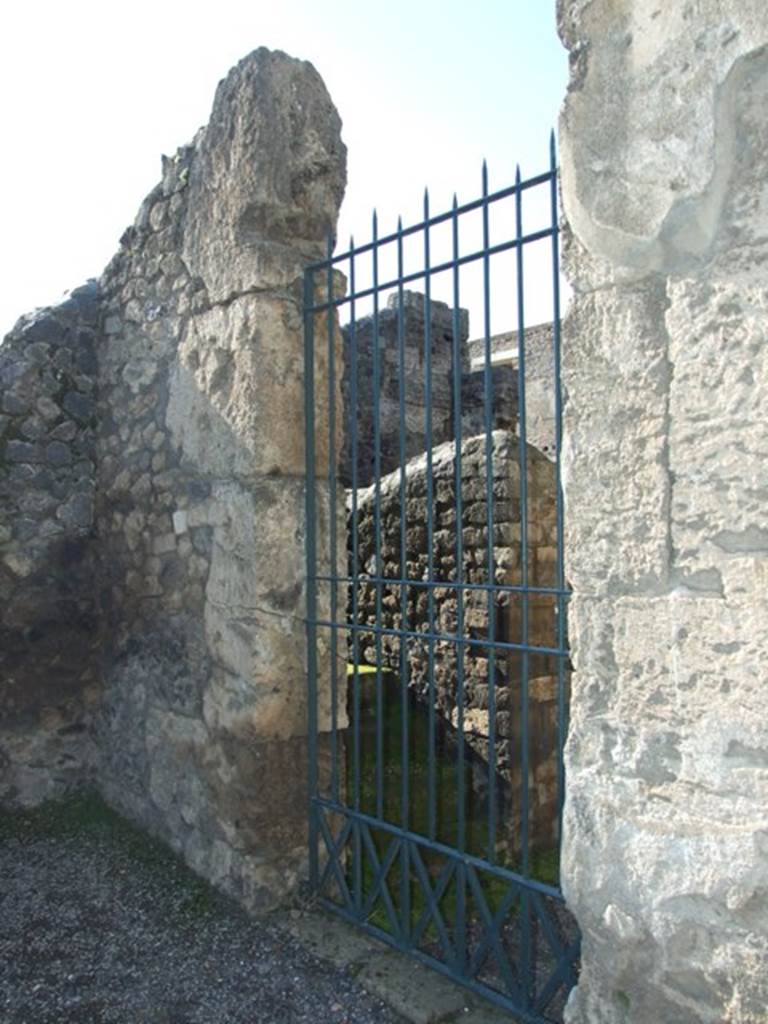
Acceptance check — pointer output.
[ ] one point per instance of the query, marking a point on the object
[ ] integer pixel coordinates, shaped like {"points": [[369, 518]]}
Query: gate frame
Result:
{"points": [[404, 845]]}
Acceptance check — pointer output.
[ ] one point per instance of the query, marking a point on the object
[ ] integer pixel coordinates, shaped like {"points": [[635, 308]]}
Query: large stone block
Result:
{"points": [[718, 445], [648, 134], [665, 715], [615, 373], [663, 149], [268, 178], [239, 372]]}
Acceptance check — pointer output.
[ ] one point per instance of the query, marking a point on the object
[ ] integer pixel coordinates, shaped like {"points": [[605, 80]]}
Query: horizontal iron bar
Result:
{"points": [[501, 645], [440, 268], [439, 218], [437, 847], [405, 582]]}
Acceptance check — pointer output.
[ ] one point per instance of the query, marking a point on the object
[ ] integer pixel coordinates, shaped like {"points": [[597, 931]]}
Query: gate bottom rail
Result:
{"points": [[503, 936]]}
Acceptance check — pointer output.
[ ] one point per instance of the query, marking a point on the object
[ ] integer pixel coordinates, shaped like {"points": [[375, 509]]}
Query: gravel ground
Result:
{"points": [[99, 924]]}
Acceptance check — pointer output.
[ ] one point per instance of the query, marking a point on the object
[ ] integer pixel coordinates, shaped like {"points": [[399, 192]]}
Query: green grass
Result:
{"points": [[543, 868], [85, 816], [544, 864]]}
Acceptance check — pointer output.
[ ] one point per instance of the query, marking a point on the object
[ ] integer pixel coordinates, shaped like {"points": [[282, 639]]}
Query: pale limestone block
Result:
{"points": [[650, 198], [664, 186], [718, 440], [614, 461], [267, 179], [666, 802], [237, 398]]}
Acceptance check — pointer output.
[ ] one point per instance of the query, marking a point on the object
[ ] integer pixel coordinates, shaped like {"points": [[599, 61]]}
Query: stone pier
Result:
{"points": [[153, 438], [664, 135]]}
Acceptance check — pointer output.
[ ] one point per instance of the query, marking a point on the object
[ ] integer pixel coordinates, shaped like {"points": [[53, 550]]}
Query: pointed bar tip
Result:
{"points": [[518, 176]]}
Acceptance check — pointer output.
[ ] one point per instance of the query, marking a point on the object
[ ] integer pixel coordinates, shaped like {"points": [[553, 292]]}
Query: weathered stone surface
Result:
{"points": [[166, 408], [539, 382], [240, 372], [508, 607], [668, 146], [370, 357], [374, 359], [267, 178], [48, 632], [201, 466], [664, 138], [624, 530]]}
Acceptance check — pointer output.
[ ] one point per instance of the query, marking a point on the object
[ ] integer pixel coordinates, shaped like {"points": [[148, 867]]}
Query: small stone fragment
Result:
{"points": [[64, 432], [22, 451], [58, 454], [77, 405], [14, 405], [77, 511]]}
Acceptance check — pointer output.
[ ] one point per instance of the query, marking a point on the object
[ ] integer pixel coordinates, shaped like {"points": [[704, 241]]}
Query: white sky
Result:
{"points": [[91, 93]]}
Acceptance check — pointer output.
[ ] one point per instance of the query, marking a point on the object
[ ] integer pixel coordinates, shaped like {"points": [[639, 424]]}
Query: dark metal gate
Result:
{"points": [[438, 661]]}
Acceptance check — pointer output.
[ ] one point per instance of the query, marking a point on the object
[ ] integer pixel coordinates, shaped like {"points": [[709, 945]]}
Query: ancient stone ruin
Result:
{"points": [[49, 630], [663, 154], [152, 579], [442, 616], [152, 472], [363, 422]]}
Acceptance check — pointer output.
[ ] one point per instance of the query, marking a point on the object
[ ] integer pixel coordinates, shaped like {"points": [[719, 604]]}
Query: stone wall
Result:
{"points": [[359, 417], [196, 449], [664, 137], [49, 680], [542, 556], [539, 379]]}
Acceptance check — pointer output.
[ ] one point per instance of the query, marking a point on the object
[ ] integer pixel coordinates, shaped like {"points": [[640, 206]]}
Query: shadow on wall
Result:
{"points": [[49, 669], [192, 561]]}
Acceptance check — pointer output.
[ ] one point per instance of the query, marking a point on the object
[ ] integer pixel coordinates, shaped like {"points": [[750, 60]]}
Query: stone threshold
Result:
{"points": [[418, 994]]}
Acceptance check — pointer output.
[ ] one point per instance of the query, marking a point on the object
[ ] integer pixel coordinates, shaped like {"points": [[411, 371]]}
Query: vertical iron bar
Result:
{"points": [[377, 520], [521, 989], [333, 552], [488, 402], [461, 811], [431, 767], [357, 862], [526, 952], [405, 882], [560, 583], [524, 581], [310, 512]]}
